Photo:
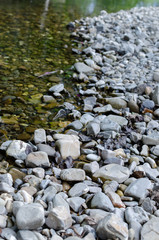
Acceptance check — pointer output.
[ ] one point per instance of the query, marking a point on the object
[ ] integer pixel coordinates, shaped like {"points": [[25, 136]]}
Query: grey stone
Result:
{"points": [[49, 194], [83, 68], [39, 136], [150, 229], [86, 118], [148, 205], [139, 188], [91, 167], [151, 139], [89, 103], [136, 226], [48, 99], [76, 125], [112, 227], [5, 188], [68, 145], [156, 75], [136, 214], [7, 178], [57, 88], [46, 148], [59, 218], [78, 190], [37, 159], [30, 216], [75, 203], [101, 201], [148, 104], [112, 172], [72, 174], [3, 221], [155, 95], [9, 234], [116, 102], [135, 137], [58, 200], [93, 157], [5, 145], [108, 125], [18, 149], [118, 119], [39, 172], [26, 234], [155, 150], [93, 128]]}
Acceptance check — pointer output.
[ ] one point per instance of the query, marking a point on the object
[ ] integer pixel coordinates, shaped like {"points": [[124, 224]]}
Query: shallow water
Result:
{"points": [[34, 40]]}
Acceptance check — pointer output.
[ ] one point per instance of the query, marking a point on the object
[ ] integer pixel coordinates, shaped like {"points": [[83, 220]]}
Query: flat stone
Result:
{"points": [[58, 200], [39, 136], [136, 214], [151, 139], [46, 148], [150, 229], [139, 188], [112, 227], [91, 167], [112, 172], [3, 221], [83, 68], [48, 99], [6, 188], [93, 157], [86, 118], [101, 201], [116, 102], [49, 194], [118, 119], [109, 125], [30, 216], [72, 174], [155, 150], [68, 145], [76, 125], [16, 174], [7, 178], [37, 159], [26, 234], [78, 190], [115, 199], [59, 218], [18, 149], [9, 234], [93, 128], [57, 88], [75, 203], [156, 75]]}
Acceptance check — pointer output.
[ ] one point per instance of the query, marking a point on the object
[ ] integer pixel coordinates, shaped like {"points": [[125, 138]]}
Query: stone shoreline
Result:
{"points": [[98, 177]]}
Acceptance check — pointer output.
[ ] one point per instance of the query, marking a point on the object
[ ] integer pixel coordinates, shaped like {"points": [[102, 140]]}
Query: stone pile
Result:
{"points": [[98, 177]]}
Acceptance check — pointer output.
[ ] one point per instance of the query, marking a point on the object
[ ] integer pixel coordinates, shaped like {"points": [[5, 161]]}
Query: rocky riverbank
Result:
{"points": [[97, 178]]}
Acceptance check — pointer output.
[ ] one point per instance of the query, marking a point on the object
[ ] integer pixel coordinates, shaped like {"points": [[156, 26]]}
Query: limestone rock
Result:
{"points": [[72, 174], [112, 172], [112, 227], [39, 136], [83, 68], [37, 159], [18, 149], [150, 229], [68, 145]]}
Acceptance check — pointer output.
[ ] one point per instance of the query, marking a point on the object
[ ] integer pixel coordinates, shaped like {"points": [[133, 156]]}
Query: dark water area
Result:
{"points": [[34, 40]]}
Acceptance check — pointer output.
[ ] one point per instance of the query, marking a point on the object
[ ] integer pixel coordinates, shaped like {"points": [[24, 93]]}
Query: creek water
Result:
{"points": [[34, 40]]}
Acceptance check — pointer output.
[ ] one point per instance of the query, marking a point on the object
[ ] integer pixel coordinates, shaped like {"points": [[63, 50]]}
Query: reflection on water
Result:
{"points": [[34, 40]]}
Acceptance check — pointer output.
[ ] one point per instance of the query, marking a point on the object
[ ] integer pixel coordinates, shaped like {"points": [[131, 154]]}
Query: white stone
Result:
{"points": [[37, 159], [72, 174], [150, 230], [39, 136], [18, 149]]}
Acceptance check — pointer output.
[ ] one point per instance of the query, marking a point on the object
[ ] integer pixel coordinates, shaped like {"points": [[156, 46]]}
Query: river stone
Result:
{"points": [[46, 148], [112, 227], [6, 188], [72, 174], [75, 203], [37, 159], [76, 125], [86, 118], [83, 68], [3, 221], [91, 167], [155, 150], [39, 136], [57, 88], [9, 234], [112, 172], [89, 103], [155, 95], [118, 119], [151, 139], [58, 200], [136, 214], [150, 229], [78, 189], [68, 145], [7, 178], [18, 149], [156, 75], [139, 188], [93, 128], [32, 235], [48, 99], [5, 145], [133, 106], [59, 218], [30, 216], [93, 157], [101, 201], [109, 125], [116, 102]]}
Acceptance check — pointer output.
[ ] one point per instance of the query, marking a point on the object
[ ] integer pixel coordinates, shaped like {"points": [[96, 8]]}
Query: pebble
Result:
{"points": [[72, 174], [78, 189], [39, 136], [37, 159], [18, 149], [101, 201]]}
